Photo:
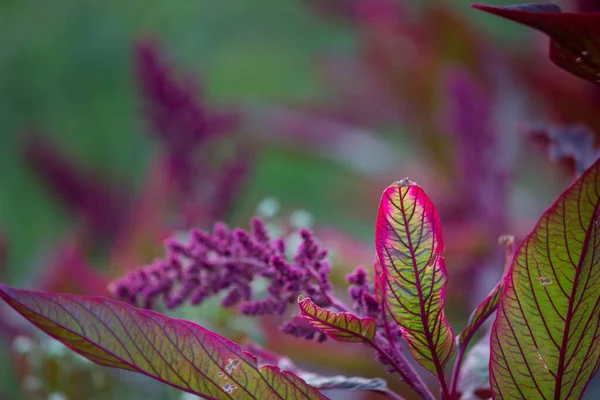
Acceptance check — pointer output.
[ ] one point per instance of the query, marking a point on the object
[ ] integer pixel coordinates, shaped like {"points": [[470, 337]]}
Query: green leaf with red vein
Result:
{"points": [[177, 352], [340, 326], [409, 244], [481, 314], [546, 336], [574, 37]]}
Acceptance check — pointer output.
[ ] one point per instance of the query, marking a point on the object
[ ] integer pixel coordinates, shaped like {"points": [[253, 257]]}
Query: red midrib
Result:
{"points": [[432, 347]]}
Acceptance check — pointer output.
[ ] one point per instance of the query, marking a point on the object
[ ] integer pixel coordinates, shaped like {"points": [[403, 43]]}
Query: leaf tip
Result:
{"points": [[479, 6], [404, 183]]}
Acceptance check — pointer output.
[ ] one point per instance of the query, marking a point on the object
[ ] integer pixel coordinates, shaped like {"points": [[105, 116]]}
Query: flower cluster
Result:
{"points": [[190, 132], [366, 303], [99, 202], [178, 119], [228, 262]]}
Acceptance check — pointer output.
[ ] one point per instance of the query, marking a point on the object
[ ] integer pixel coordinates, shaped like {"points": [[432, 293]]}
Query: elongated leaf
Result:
{"points": [[481, 314], [177, 352], [409, 244], [575, 37], [341, 326], [545, 339]]}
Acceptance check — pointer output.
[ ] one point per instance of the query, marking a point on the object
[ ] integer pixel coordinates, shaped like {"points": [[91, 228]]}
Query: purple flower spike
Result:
{"points": [[227, 261], [98, 202], [182, 123]]}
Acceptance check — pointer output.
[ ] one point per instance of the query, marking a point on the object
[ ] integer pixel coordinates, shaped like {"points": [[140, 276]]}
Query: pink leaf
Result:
{"points": [[409, 244], [177, 352]]}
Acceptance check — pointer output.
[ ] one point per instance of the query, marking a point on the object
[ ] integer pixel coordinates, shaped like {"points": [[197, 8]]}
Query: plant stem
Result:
{"points": [[456, 371], [403, 367], [398, 361]]}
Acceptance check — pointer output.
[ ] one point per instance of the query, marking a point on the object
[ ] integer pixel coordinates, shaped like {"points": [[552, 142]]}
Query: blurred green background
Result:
{"points": [[66, 69]]}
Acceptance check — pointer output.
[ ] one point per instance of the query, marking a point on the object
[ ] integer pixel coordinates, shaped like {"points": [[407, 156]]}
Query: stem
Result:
{"points": [[398, 361], [332, 300], [442, 379], [456, 371], [403, 367], [508, 242]]}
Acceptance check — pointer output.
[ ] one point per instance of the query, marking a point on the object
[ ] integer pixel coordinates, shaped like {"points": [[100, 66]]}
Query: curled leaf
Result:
{"points": [[341, 326], [480, 314], [176, 352], [409, 244], [545, 337]]}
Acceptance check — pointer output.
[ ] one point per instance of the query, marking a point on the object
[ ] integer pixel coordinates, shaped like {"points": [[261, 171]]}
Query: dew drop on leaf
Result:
{"points": [[545, 280], [231, 365], [229, 388]]}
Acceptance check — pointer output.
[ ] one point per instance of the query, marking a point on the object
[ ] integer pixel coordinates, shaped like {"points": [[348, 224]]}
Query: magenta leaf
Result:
{"points": [[575, 37], [409, 244], [177, 352], [545, 339], [341, 326]]}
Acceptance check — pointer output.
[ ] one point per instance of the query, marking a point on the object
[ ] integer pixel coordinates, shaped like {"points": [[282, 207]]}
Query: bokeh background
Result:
{"points": [[303, 112]]}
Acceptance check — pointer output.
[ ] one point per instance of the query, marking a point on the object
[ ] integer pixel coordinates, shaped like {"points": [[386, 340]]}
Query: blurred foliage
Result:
{"points": [[66, 68]]}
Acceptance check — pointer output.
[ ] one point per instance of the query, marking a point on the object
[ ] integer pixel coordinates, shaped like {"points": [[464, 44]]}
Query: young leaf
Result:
{"points": [[409, 244], [545, 337], [481, 313], [341, 326], [490, 303], [176, 352], [476, 320], [575, 37]]}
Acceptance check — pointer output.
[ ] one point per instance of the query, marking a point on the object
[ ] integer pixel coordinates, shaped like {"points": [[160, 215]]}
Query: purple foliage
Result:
{"points": [[588, 5], [231, 178], [364, 301], [183, 124], [468, 117], [572, 144], [100, 203], [228, 261]]}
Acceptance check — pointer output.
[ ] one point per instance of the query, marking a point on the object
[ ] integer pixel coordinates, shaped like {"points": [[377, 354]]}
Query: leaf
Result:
{"points": [[545, 336], [409, 244], [481, 314], [176, 352], [575, 37], [316, 380], [341, 326]]}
